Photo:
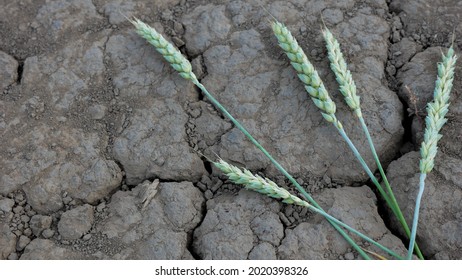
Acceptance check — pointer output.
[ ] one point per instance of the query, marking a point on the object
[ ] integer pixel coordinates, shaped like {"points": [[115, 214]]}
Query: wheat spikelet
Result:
{"points": [[256, 183], [306, 73], [342, 74], [170, 53], [436, 111]]}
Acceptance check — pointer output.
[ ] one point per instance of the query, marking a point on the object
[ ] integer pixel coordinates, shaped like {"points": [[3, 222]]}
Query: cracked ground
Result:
{"points": [[104, 146]]}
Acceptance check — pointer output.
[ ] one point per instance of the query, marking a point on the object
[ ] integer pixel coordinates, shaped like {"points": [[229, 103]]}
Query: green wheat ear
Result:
{"points": [[342, 74], [258, 184], [170, 53], [436, 111]]}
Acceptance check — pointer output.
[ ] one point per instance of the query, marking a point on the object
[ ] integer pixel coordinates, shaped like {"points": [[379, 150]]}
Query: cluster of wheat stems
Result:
{"points": [[318, 93]]}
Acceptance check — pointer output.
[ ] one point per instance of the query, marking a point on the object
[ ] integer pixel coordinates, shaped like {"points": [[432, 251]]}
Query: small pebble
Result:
{"points": [[38, 223], [6, 204], [206, 180], [304, 211], [101, 207], [19, 197], [284, 219], [178, 28], [217, 185], [48, 233], [67, 200], [296, 216], [87, 236], [201, 186], [31, 213], [18, 209], [25, 218], [396, 37], [27, 232], [22, 242], [195, 113], [391, 70], [289, 210], [178, 42], [349, 256], [208, 194], [397, 24], [196, 64], [327, 179]]}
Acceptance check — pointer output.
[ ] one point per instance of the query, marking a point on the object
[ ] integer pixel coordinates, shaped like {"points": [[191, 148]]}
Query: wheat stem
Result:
{"points": [[394, 206], [416, 215], [347, 88], [436, 112], [365, 166]]}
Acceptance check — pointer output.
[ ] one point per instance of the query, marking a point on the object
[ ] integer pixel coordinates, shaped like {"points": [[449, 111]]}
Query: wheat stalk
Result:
{"points": [[436, 112], [347, 88]]}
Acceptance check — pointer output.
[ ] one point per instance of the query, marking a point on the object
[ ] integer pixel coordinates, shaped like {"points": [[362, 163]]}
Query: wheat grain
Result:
{"points": [[257, 183], [168, 51], [306, 73]]}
